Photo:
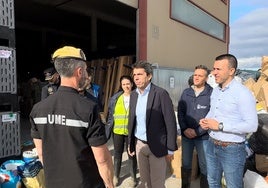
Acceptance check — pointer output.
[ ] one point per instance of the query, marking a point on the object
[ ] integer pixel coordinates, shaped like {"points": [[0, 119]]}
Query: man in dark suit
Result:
{"points": [[152, 127]]}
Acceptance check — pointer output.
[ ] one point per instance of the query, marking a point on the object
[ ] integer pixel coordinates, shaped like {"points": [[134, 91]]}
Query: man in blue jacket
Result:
{"points": [[94, 92], [194, 105]]}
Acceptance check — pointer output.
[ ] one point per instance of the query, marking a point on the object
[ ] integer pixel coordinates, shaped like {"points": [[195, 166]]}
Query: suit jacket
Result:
{"points": [[161, 127]]}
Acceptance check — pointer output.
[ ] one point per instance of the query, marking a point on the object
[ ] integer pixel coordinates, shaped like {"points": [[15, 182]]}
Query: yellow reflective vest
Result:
{"points": [[120, 117]]}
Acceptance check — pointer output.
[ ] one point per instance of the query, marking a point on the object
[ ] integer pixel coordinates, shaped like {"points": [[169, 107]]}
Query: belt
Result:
{"points": [[224, 144], [145, 142]]}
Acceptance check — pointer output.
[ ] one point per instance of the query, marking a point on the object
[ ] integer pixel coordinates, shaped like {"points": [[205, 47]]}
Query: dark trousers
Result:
{"points": [[121, 142]]}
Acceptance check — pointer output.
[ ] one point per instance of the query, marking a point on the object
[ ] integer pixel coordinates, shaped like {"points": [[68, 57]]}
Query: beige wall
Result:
{"points": [[132, 3], [172, 44]]}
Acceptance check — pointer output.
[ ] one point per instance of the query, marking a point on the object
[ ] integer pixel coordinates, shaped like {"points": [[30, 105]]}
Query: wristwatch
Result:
{"points": [[220, 126]]}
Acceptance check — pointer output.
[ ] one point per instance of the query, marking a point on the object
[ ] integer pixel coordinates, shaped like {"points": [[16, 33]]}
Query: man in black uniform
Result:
{"points": [[67, 132], [53, 79]]}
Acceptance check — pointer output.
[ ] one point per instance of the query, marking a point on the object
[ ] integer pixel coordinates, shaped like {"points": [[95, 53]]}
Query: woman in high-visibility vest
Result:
{"points": [[118, 111]]}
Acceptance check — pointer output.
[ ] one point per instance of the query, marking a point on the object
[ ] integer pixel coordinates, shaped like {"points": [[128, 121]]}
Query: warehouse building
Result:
{"points": [[174, 35]]}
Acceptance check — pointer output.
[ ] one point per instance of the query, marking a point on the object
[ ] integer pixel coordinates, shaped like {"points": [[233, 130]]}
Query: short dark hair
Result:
{"points": [[144, 65], [231, 60]]}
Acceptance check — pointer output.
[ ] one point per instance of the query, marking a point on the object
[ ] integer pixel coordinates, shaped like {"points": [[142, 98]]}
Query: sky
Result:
{"points": [[249, 32]]}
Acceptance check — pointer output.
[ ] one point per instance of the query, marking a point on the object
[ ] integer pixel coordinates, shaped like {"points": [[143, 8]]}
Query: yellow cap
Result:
{"points": [[69, 52]]}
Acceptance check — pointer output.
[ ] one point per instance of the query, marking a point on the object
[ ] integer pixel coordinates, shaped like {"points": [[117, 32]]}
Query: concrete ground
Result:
{"points": [[171, 180]]}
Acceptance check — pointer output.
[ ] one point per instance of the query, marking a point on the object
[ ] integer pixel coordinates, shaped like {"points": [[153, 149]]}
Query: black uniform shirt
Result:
{"points": [[68, 125]]}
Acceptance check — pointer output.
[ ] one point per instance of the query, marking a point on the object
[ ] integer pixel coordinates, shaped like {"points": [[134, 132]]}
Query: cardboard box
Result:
{"points": [[249, 83], [261, 162], [264, 64], [260, 95], [263, 96], [176, 162], [265, 93], [261, 105], [257, 86], [265, 71]]}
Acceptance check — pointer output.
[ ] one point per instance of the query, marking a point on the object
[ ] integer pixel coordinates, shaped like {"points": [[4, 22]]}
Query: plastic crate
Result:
{"points": [[7, 37], [10, 134], [9, 102], [8, 76], [7, 13]]}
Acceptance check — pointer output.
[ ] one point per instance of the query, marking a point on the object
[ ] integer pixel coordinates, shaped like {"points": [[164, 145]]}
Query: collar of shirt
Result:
{"points": [[227, 86], [146, 90]]}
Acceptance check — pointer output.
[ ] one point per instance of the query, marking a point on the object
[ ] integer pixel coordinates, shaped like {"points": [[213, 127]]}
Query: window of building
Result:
{"points": [[192, 15]]}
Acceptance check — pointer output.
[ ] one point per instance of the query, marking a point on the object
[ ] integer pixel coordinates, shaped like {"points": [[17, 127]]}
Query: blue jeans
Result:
{"points": [[187, 153], [229, 160]]}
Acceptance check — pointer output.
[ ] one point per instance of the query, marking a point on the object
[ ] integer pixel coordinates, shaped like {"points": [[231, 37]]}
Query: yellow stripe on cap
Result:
{"points": [[69, 52]]}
